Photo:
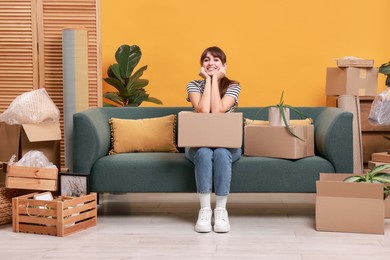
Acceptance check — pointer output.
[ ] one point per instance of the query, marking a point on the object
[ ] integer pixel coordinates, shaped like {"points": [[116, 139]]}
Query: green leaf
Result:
{"points": [[154, 100], [281, 98], [108, 105], [382, 177], [385, 68], [354, 178], [138, 74], [139, 84], [281, 109], [116, 84], [378, 169], [299, 113], [127, 58], [114, 97], [113, 72]]}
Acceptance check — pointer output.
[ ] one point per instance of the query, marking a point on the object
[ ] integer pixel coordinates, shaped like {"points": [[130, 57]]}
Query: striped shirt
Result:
{"points": [[197, 86]]}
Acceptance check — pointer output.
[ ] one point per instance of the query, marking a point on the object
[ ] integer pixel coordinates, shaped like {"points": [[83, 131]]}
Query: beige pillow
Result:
{"points": [[143, 135]]}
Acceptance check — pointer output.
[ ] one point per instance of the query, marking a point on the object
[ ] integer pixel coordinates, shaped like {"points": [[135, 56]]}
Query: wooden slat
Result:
{"points": [[18, 52]]}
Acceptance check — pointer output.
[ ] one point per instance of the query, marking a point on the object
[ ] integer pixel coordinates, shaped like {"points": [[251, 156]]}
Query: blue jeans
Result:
{"points": [[213, 161]]}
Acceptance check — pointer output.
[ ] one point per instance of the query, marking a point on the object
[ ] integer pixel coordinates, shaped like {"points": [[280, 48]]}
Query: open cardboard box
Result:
{"points": [[210, 129], [349, 207], [277, 142], [20, 139]]}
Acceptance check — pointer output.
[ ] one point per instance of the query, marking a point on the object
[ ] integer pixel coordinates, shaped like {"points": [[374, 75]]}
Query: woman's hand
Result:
{"points": [[203, 73], [220, 73]]}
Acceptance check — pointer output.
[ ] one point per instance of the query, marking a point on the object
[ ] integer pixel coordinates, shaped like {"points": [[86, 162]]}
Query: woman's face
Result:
{"points": [[212, 64]]}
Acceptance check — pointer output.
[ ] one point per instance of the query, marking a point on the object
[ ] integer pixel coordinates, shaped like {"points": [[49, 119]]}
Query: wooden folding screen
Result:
{"points": [[31, 48]]}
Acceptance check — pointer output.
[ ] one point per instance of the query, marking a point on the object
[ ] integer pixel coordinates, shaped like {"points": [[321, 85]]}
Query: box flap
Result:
{"points": [[9, 141], [42, 132], [350, 189]]}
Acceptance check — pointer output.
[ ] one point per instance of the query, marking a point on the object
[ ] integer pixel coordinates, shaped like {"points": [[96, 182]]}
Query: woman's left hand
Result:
{"points": [[220, 73]]}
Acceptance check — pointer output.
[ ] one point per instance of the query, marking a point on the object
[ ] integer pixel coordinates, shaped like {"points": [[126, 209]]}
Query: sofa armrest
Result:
{"points": [[91, 138], [333, 138]]}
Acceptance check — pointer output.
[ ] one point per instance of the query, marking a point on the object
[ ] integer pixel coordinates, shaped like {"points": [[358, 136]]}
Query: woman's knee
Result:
{"points": [[204, 153], [221, 153]]}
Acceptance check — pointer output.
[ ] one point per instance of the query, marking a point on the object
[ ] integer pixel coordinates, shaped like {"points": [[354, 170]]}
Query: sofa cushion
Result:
{"points": [[143, 135]]}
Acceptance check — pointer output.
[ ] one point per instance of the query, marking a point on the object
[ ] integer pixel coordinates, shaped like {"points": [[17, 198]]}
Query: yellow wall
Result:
{"points": [[270, 45]]}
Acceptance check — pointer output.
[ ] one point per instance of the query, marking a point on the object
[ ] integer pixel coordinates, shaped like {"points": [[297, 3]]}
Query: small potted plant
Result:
{"points": [[375, 175], [385, 69], [279, 115], [130, 86]]}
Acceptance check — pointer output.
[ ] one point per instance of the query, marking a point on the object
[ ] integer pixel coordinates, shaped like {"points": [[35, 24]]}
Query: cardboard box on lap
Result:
{"points": [[277, 142], [20, 139], [352, 81], [210, 129], [349, 207]]}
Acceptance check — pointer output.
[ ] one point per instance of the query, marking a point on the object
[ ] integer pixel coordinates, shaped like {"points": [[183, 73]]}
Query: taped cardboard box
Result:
{"points": [[277, 142], [352, 81], [20, 139], [210, 129], [349, 207]]}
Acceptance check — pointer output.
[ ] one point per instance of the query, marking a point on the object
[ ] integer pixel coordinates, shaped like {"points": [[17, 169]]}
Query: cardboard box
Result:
{"points": [[358, 63], [352, 81], [381, 157], [277, 142], [210, 129], [56, 217], [31, 178], [349, 207], [20, 139]]}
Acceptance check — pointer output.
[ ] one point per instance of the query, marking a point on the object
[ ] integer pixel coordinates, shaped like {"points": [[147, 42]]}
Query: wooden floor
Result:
{"points": [[161, 226]]}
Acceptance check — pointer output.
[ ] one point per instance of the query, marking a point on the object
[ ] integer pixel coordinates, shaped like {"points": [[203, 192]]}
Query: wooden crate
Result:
{"points": [[59, 217], [31, 178]]}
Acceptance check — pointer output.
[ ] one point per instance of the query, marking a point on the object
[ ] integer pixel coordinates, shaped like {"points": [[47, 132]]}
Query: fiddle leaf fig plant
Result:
{"points": [[375, 175], [385, 69], [282, 107], [131, 88]]}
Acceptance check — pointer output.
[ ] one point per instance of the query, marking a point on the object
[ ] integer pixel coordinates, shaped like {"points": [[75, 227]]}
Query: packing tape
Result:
{"points": [[362, 73]]}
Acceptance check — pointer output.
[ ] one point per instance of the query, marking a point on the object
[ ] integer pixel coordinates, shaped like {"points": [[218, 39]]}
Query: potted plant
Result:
{"points": [[385, 69], [375, 175], [131, 88], [279, 115]]}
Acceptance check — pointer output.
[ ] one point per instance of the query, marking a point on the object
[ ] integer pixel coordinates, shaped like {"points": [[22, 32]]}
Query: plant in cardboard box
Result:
{"points": [[130, 87], [279, 115], [375, 175], [385, 69]]}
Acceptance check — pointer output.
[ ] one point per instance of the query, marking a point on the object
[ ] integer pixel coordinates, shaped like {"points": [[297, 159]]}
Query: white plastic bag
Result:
{"points": [[30, 108], [380, 109], [33, 158]]}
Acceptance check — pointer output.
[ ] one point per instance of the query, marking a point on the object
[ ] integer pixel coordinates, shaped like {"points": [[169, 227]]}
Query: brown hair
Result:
{"points": [[217, 52]]}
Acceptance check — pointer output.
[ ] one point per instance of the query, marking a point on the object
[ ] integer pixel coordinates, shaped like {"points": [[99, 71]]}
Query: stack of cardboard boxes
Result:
{"points": [[344, 206], [20, 139]]}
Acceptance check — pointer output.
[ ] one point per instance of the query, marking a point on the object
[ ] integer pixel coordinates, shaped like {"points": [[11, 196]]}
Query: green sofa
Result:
{"points": [[172, 172]]}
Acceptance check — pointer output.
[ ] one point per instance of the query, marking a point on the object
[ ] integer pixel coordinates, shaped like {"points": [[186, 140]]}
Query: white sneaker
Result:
{"points": [[221, 220], [203, 225]]}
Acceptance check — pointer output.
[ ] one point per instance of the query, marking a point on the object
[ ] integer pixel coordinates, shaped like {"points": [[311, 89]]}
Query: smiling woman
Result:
{"points": [[272, 45]]}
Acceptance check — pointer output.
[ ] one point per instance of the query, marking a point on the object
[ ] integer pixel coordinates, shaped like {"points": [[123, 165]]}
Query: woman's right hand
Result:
{"points": [[203, 73]]}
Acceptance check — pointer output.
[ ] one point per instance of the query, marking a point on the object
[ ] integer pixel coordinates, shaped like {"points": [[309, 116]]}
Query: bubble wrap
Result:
{"points": [[30, 108], [380, 109], [33, 158]]}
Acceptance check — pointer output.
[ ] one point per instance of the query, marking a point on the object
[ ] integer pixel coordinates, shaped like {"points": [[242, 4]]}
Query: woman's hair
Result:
{"points": [[217, 52]]}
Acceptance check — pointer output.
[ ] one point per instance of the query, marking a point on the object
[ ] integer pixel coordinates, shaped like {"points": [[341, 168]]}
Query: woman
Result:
{"points": [[215, 93]]}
